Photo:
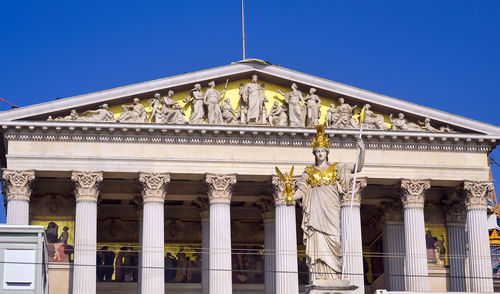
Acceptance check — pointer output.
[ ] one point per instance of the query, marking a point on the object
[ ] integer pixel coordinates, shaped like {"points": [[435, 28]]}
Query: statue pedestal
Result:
{"points": [[330, 287]]}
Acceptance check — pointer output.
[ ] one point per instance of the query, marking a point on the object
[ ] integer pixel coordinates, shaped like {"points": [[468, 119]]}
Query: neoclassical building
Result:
{"points": [[170, 185]]}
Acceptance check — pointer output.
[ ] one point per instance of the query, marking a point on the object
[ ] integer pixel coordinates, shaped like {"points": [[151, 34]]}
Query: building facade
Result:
{"points": [[170, 185]]}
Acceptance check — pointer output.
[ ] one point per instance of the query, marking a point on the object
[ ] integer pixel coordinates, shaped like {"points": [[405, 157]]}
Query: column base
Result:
{"points": [[330, 287]]}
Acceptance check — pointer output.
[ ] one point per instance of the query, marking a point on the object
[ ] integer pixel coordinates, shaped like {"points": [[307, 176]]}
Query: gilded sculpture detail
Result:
{"points": [[320, 189], [251, 107]]}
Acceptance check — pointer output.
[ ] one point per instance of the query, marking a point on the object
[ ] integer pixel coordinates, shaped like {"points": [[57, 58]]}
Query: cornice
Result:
{"points": [[241, 135]]}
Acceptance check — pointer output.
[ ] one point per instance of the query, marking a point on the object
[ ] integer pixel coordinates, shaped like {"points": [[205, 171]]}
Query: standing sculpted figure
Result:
{"points": [[264, 116], [196, 96], [212, 97], [331, 116], [155, 106], [243, 111], [320, 188], [312, 105], [134, 113], [345, 113], [402, 124], [373, 120], [253, 96], [171, 111], [295, 111], [278, 116]]}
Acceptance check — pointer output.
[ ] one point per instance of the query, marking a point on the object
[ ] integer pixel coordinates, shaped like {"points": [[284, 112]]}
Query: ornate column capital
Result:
{"points": [[202, 203], [86, 185], [154, 186], [476, 194], [267, 209], [393, 212], [345, 198], [455, 214], [279, 188], [220, 187], [413, 192], [18, 184]]}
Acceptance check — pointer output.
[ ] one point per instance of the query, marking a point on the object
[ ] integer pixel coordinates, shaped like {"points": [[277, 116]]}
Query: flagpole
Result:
{"points": [[243, 27]]}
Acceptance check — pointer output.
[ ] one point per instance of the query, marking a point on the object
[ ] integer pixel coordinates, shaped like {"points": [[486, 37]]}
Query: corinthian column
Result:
{"points": [[219, 188], [394, 246], [267, 208], [457, 240], [18, 186], [477, 231], [287, 277], [416, 256], [352, 245], [86, 193], [154, 188], [202, 203]]}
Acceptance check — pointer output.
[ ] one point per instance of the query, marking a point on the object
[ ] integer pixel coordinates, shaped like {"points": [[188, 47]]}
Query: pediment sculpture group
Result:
{"points": [[213, 108]]}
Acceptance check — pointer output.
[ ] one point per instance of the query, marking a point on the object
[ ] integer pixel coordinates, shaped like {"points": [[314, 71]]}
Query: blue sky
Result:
{"points": [[441, 54]]}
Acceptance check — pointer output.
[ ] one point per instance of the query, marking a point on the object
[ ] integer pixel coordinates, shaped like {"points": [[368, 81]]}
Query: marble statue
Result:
{"points": [[155, 106], [345, 114], [228, 112], [197, 97], [264, 116], [320, 189], [243, 110], [331, 116], [253, 95], [373, 121], [312, 105], [171, 111], [73, 115], [295, 103], [402, 124], [278, 116], [426, 126], [134, 113], [212, 98], [99, 115]]}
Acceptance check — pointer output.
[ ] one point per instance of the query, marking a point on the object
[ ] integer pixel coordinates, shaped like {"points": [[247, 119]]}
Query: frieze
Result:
{"points": [[241, 136], [252, 101]]}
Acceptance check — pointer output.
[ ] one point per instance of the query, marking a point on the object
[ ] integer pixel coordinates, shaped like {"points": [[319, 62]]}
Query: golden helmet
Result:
{"points": [[321, 139]]}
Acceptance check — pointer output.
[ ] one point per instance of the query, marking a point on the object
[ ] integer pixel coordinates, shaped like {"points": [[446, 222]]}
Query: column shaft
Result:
{"points": [[18, 211], [416, 255], [219, 195], [220, 249], [84, 266], [457, 240], [394, 252], [154, 186], [352, 246], [205, 244], [153, 275], [477, 232], [286, 250], [269, 257], [417, 274], [139, 260]]}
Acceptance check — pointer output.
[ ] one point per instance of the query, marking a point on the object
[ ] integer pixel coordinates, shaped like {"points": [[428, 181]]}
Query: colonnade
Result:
{"points": [[405, 238]]}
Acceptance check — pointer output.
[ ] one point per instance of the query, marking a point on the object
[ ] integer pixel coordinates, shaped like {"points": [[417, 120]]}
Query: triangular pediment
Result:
{"points": [[274, 84]]}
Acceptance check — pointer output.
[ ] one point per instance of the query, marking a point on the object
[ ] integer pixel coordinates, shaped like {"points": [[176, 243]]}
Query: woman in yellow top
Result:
{"points": [[320, 188]]}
